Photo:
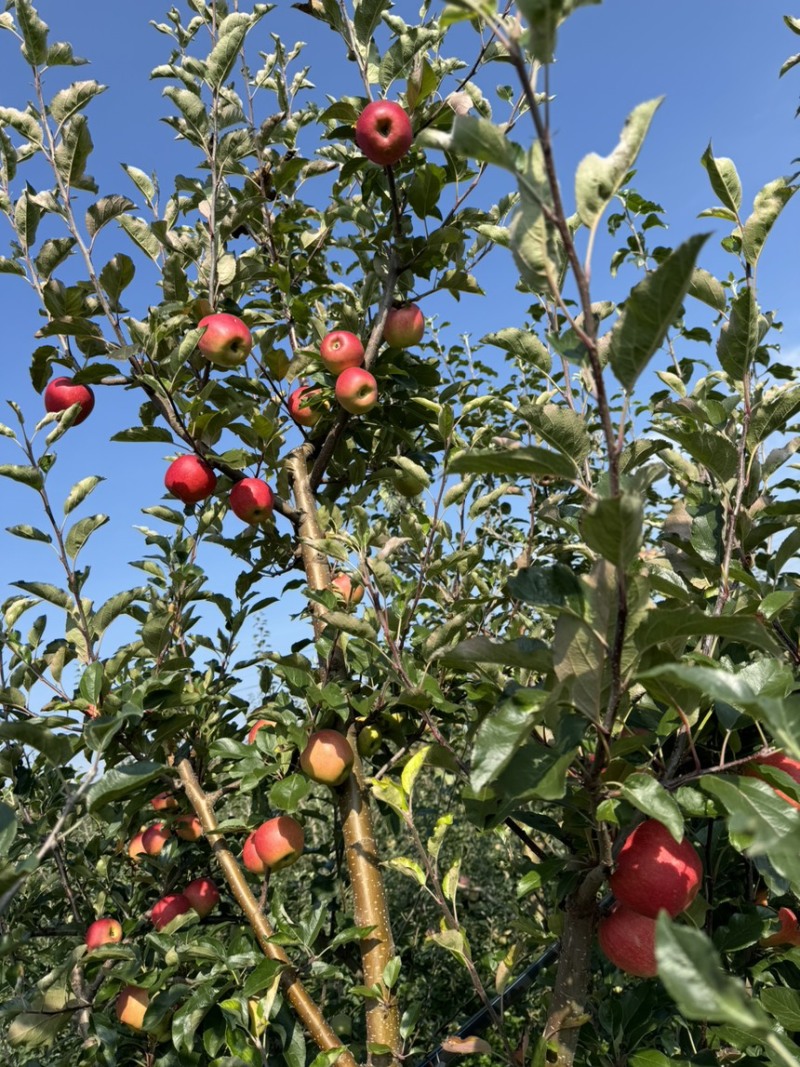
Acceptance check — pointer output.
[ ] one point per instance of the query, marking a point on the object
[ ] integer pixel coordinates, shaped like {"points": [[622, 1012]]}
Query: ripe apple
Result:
{"points": [[344, 588], [103, 932], [131, 1005], [629, 940], [327, 757], [781, 762], [202, 895], [188, 827], [190, 479], [252, 500], [279, 842], [369, 740], [136, 846], [251, 859], [251, 736], [404, 326], [655, 872], [154, 838], [227, 341], [383, 132], [299, 408], [61, 393], [169, 908], [787, 934], [356, 390], [163, 802], [340, 350]]}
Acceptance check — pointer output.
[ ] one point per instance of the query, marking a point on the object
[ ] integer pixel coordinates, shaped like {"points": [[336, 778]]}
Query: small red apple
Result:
{"points": [[629, 940], [251, 736], [327, 757], [356, 390], [789, 932], [163, 802], [383, 132], [299, 407], [154, 838], [340, 350], [61, 393], [252, 500], [279, 842], [404, 326], [654, 871], [344, 588], [190, 479], [136, 846], [781, 762], [251, 859], [103, 932], [131, 1005], [168, 908], [188, 827], [227, 341], [203, 896]]}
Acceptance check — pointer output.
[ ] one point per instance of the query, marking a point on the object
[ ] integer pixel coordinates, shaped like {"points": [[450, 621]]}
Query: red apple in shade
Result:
{"points": [[190, 479], [279, 842], [251, 736], [164, 802], [327, 757], [103, 932], [61, 393], [781, 762], [252, 501], [154, 838], [340, 350], [251, 859], [168, 908], [299, 408], [131, 1005], [187, 827], [788, 932], [654, 871], [346, 590], [227, 341], [136, 846], [383, 132], [356, 390], [404, 326], [629, 940], [203, 896]]}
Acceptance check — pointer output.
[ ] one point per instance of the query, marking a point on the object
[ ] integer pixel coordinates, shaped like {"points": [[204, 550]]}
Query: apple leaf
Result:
{"points": [[724, 180], [649, 796], [738, 338], [613, 527], [768, 204], [530, 461], [8, 828], [502, 733], [120, 781]]}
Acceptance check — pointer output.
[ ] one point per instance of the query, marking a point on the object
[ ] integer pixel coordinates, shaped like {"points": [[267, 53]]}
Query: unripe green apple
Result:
{"points": [[369, 740]]}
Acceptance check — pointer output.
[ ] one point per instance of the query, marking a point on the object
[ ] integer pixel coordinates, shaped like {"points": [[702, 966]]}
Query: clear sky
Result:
{"points": [[716, 61]]}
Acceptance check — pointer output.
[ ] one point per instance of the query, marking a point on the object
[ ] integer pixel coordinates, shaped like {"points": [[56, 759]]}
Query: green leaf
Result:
{"points": [[34, 33], [560, 427], [141, 235], [35, 733], [120, 781], [480, 139], [117, 275], [31, 476], [412, 769], [74, 98], [115, 606], [544, 17], [34, 1029], [30, 533], [738, 338], [287, 793], [554, 586], [367, 19], [80, 491], [724, 180], [8, 828], [224, 54], [502, 733], [408, 867], [524, 345], [650, 310], [767, 206], [649, 796], [527, 653], [80, 533], [613, 527], [141, 181], [104, 210], [706, 288], [73, 152], [535, 244], [51, 593], [144, 433], [599, 178], [531, 461], [52, 254], [262, 977]]}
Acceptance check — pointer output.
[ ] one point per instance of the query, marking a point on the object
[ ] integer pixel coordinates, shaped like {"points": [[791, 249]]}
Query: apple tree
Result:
{"points": [[545, 686]]}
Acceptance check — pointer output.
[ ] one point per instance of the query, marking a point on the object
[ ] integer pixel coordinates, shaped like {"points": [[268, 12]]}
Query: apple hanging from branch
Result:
{"points": [[340, 350], [61, 393], [356, 390], [383, 132], [227, 341], [190, 479]]}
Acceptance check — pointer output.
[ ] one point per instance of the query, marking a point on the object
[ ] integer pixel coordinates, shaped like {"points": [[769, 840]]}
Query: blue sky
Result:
{"points": [[716, 61]]}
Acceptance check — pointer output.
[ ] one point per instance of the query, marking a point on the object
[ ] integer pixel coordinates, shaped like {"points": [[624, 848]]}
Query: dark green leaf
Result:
{"points": [[80, 491], [80, 533], [650, 797], [56, 748], [120, 781], [613, 527], [502, 733]]}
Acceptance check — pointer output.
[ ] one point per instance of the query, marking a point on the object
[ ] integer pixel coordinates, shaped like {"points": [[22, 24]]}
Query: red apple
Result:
{"points": [[154, 838], [356, 390], [163, 802], [188, 827], [299, 408], [383, 132], [190, 479], [61, 393], [781, 762], [251, 859], [168, 908], [203, 896], [327, 757], [227, 341], [131, 1005], [344, 588], [251, 736], [629, 940], [103, 932], [340, 350], [136, 846], [404, 326], [655, 872], [279, 842], [252, 500], [787, 934]]}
